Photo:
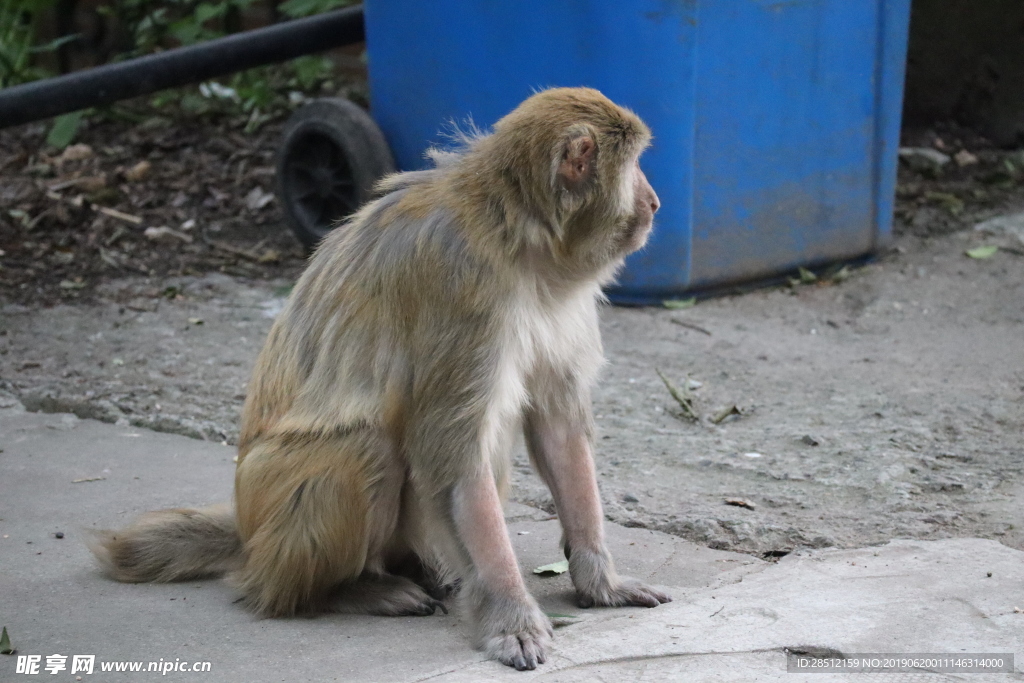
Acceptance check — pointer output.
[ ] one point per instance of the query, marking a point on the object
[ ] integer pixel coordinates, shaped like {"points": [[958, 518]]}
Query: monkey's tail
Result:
{"points": [[170, 545]]}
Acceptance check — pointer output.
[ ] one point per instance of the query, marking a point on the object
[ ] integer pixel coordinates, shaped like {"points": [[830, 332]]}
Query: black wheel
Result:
{"points": [[331, 154]]}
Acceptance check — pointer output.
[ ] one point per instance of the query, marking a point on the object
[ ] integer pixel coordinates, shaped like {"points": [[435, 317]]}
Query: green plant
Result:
{"points": [[18, 19], [152, 24], [305, 8]]}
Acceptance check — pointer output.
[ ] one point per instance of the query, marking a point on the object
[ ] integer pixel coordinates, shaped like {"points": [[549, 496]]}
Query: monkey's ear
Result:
{"points": [[577, 163]]}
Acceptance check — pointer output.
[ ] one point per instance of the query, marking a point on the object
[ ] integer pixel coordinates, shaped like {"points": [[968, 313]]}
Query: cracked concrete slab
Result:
{"points": [[732, 617]]}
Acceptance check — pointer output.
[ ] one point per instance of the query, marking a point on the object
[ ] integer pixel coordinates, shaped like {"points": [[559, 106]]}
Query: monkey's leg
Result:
{"points": [[510, 626], [318, 514], [385, 595], [303, 503], [561, 453]]}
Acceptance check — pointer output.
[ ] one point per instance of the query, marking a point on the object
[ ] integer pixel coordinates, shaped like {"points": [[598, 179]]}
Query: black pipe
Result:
{"points": [[180, 66]]}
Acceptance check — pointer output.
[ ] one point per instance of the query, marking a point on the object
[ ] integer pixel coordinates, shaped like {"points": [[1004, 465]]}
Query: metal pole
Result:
{"points": [[122, 80]]}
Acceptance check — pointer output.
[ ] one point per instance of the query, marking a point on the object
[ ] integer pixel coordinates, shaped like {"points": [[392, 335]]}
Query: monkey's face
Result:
{"points": [[644, 204]]}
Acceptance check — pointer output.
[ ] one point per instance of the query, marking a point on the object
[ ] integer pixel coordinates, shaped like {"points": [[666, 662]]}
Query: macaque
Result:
{"points": [[452, 311]]}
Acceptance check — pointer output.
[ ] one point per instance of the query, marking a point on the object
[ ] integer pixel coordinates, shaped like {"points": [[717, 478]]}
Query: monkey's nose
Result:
{"points": [[655, 203]]}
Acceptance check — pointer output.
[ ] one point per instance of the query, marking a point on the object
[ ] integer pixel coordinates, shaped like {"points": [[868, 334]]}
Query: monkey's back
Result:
{"points": [[385, 300]]}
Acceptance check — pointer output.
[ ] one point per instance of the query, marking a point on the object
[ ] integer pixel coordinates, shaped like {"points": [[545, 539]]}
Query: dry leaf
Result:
{"points": [[138, 172]]}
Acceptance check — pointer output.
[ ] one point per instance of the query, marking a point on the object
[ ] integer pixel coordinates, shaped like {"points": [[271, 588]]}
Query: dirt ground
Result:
{"points": [[890, 404]]}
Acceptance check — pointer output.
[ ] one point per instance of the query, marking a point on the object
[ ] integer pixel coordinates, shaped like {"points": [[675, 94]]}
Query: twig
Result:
{"points": [[684, 400], [114, 213], [689, 325], [236, 251]]}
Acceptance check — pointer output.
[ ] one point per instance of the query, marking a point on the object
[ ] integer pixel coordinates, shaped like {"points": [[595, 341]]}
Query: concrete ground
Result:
{"points": [[886, 405], [733, 616]]}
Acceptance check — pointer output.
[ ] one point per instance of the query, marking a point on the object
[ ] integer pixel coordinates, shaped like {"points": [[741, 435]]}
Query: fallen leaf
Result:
{"points": [[76, 152], [269, 256], [983, 252], [5, 643], [553, 568], [720, 416], [806, 276], [138, 172], [68, 284], [165, 234], [842, 274], [740, 503], [93, 183], [64, 129], [964, 158], [556, 615], [257, 198], [676, 304], [950, 202], [82, 481], [195, 321]]}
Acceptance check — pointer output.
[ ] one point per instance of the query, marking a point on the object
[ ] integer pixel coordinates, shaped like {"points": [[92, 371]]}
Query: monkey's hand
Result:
{"points": [[516, 633], [597, 584]]}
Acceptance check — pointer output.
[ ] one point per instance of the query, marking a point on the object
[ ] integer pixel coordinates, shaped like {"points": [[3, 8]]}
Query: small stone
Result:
{"points": [[809, 440], [630, 498], [58, 534]]}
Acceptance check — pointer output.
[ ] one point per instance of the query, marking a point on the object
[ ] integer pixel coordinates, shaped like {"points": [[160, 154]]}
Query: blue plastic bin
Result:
{"points": [[776, 122]]}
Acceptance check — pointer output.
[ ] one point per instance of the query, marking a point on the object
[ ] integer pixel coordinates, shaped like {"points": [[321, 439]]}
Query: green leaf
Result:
{"points": [[206, 11], [55, 43], [64, 129], [806, 276], [983, 252], [676, 304], [304, 8], [5, 643], [553, 568], [556, 615]]}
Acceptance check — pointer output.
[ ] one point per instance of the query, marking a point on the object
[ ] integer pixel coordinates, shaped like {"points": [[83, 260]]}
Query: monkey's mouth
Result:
{"points": [[636, 232]]}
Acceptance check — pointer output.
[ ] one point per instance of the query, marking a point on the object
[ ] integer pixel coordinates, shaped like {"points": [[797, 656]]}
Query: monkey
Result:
{"points": [[454, 310]]}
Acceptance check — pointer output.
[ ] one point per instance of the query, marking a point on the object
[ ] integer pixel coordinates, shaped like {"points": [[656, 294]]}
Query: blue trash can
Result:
{"points": [[776, 122]]}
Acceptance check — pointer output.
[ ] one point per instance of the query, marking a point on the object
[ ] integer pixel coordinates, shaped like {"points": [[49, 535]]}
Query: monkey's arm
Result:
{"points": [[560, 449], [513, 629]]}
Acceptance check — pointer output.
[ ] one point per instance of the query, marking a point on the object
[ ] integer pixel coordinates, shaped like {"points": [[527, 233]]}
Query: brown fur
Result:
{"points": [[377, 430]]}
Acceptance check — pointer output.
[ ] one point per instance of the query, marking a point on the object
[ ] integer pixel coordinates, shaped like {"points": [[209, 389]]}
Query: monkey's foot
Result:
{"points": [[386, 595], [597, 584], [622, 593], [515, 633]]}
